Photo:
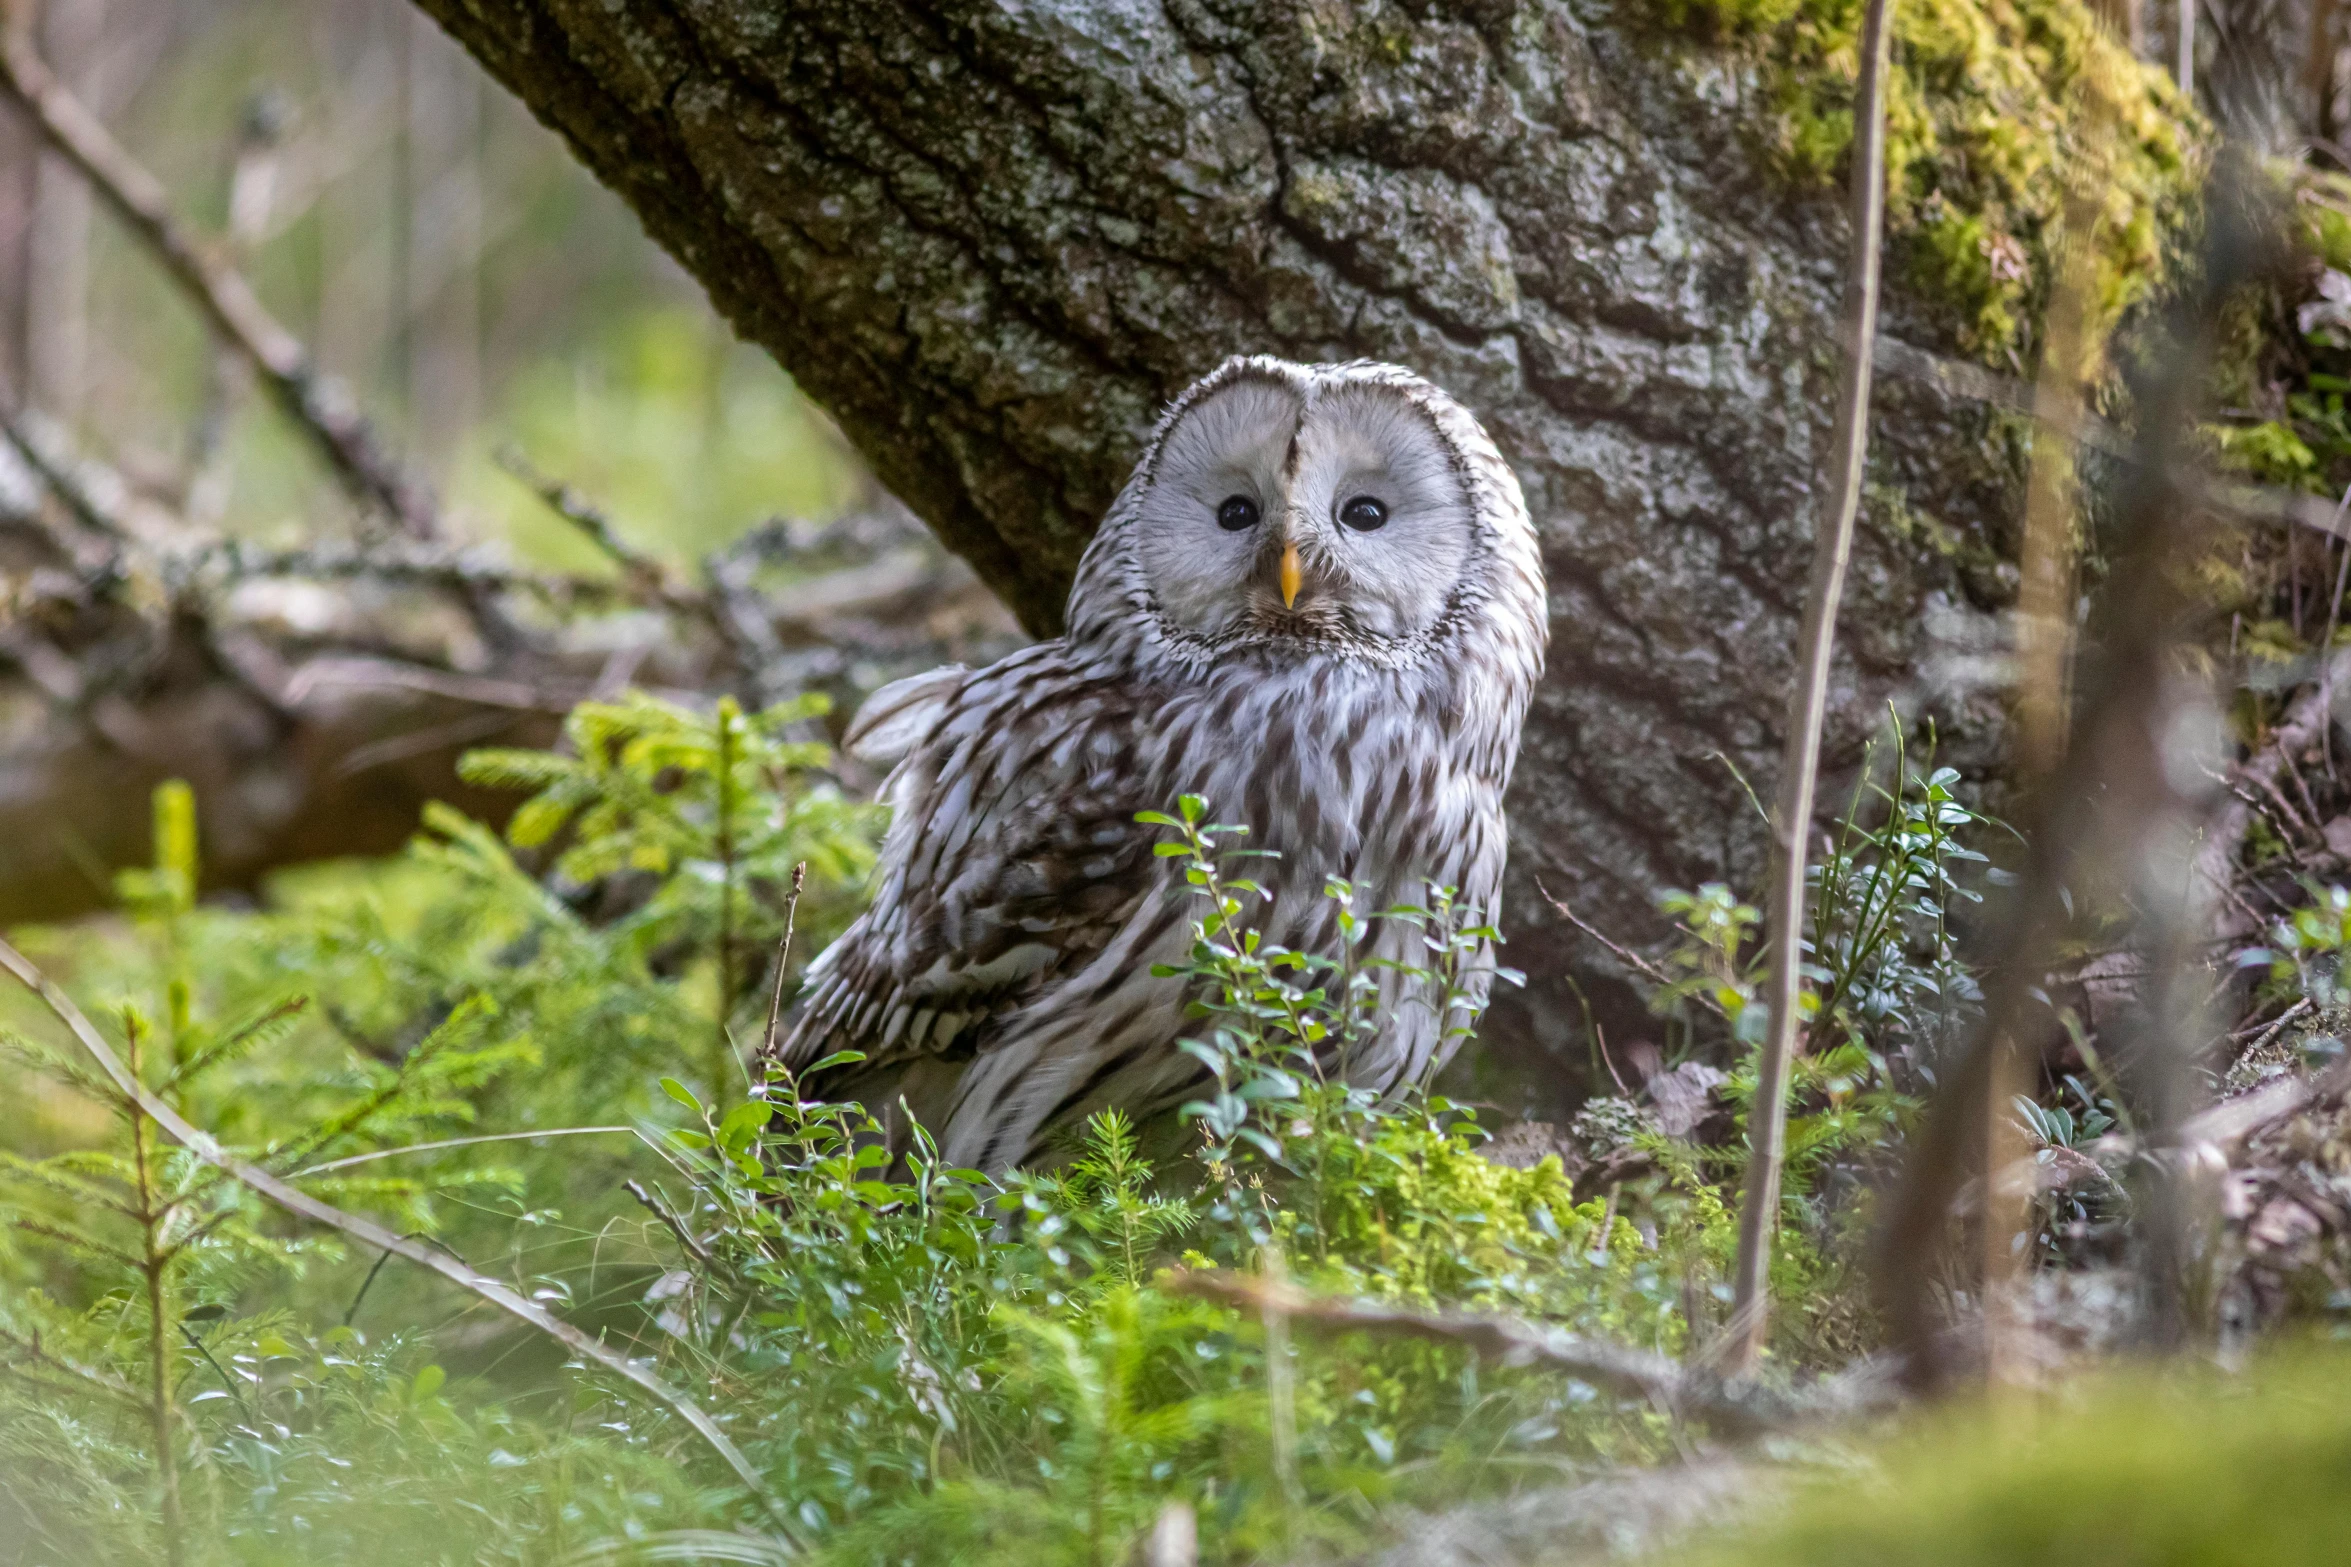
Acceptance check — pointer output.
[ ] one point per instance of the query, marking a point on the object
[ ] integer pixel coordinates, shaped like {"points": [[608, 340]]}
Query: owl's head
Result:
{"points": [[1350, 506]]}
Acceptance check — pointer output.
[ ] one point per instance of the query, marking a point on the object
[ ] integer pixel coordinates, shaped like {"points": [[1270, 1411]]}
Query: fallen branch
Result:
{"points": [[473, 570], [647, 577], [1739, 1407], [82, 492], [2305, 723], [315, 402], [373, 1235], [669, 1221]]}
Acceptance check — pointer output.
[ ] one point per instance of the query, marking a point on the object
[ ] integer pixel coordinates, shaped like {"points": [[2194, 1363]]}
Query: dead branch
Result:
{"points": [[648, 579], [2112, 805], [2305, 723], [1736, 1406], [669, 1221], [93, 497], [314, 401], [419, 565], [1621, 953]]}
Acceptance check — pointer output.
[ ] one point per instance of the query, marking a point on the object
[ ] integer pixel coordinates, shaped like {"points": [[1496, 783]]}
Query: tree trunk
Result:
{"points": [[992, 238]]}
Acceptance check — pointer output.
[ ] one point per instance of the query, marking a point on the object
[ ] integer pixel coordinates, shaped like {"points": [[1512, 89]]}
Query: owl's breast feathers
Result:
{"points": [[1015, 881]]}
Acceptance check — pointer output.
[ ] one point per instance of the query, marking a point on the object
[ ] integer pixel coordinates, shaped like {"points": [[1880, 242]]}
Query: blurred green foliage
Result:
{"points": [[490, 1042], [450, 262], [2189, 1468], [926, 1365]]}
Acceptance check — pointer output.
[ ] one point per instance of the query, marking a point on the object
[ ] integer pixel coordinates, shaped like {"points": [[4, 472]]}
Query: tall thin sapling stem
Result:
{"points": [[1800, 763]]}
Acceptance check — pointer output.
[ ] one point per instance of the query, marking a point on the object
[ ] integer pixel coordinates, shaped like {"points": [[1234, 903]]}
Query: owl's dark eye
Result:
{"points": [[1237, 512], [1364, 514]]}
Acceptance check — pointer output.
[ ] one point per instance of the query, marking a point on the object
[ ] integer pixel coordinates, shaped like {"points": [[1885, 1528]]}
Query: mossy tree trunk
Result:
{"points": [[991, 238]]}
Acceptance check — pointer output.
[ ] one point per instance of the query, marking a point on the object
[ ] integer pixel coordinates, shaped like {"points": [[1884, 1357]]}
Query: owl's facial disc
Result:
{"points": [[1207, 531], [1380, 518], [1337, 514]]}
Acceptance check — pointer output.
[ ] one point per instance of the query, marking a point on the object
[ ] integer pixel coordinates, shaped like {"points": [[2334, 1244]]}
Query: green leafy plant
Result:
{"points": [[152, 1248], [921, 1364], [714, 808]]}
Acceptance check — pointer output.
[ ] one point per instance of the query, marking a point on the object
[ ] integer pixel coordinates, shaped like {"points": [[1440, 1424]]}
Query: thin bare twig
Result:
{"points": [[30, 1349], [1623, 954], [372, 1235], [1740, 1408], [316, 403], [647, 577], [2326, 650], [429, 565], [1808, 706], [775, 1000], [45, 450], [2308, 717], [2282, 1019], [669, 1221]]}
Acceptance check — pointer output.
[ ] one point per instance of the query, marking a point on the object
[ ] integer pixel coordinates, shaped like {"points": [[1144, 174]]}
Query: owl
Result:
{"points": [[1319, 604]]}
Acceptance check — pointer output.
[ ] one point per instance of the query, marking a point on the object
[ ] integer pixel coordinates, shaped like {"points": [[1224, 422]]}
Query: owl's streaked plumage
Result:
{"points": [[1318, 603]]}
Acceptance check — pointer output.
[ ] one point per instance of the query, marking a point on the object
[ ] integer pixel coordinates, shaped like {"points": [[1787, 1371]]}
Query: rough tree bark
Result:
{"points": [[992, 237]]}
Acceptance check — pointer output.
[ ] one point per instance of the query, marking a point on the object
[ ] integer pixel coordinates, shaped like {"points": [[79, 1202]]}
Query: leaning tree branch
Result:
{"points": [[318, 404], [315, 697]]}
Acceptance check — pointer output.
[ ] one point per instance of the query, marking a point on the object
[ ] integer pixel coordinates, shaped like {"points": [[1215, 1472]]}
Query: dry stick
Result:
{"points": [[647, 577], [669, 1221], [1800, 764], [1744, 1408], [775, 1000], [2044, 642], [228, 302], [2305, 721], [42, 446], [1624, 954], [2326, 649], [375, 1236], [2116, 798]]}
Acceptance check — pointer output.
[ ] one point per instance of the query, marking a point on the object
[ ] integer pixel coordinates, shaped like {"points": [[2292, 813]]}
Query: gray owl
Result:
{"points": [[1319, 604]]}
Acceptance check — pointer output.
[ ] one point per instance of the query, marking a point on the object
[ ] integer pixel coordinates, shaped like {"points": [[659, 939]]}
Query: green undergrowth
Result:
{"points": [[2149, 1469], [525, 1048], [2282, 416], [1995, 107], [506, 1045]]}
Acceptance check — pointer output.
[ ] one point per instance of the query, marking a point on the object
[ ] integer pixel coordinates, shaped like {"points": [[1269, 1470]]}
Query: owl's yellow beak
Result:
{"points": [[1291, 575]]}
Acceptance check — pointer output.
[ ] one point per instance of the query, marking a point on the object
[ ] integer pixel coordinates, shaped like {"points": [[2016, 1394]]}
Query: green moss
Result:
{"points": [[2142, 1470], [2270, 452], [1993, 105]]}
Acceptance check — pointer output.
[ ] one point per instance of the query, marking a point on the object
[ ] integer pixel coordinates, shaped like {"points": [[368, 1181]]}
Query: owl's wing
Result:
{"points": [[1013, 857]]}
